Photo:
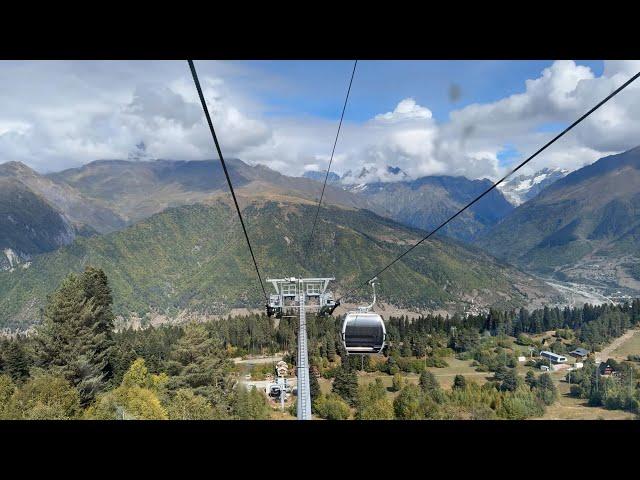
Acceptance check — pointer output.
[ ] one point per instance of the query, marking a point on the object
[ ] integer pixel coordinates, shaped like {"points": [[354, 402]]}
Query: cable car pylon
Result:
{"points": [[301, 294]]}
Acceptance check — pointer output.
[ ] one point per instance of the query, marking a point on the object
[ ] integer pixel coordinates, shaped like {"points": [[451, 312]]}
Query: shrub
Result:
{"points": [[332, 407]]}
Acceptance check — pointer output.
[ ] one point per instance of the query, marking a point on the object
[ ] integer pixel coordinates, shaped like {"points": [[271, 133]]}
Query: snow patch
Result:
{"points": [[12, 257]]}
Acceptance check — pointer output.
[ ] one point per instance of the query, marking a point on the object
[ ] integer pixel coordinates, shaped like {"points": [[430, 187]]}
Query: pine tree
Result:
{"points": [[75, 338], [346, 384], [199, 362], [15, 361], [459, 382], [545, 389], [428, 382], [530, 379], [314, 388]]}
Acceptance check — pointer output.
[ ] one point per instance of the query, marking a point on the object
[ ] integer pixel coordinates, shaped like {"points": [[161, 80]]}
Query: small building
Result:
{"points": [[580, 353], [606, 369], [522, 359], [554, 357]]}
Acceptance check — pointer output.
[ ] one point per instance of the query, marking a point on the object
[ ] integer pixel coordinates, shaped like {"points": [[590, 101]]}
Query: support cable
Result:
{"points": [[544, 147], [226, 172], [326, 177]]}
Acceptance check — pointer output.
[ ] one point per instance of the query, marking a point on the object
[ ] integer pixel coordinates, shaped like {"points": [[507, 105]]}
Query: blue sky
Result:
{"points": [[318, 87]]}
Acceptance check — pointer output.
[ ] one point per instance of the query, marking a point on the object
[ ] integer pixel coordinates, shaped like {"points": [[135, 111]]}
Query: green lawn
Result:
{"points": [[630, 347], [569, 408]]}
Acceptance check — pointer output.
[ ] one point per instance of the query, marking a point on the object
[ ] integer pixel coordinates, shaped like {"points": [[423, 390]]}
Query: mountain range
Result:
{"points": [[585, 227], [165, 234], [427, 201]]}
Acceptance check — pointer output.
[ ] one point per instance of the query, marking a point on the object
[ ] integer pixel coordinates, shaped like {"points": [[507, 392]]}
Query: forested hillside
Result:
{"points": [[585, 227], [195, 258]]}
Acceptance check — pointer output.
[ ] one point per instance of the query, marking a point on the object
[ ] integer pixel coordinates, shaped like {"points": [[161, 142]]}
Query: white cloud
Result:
{"points": [[407, 109], [56, 115]]}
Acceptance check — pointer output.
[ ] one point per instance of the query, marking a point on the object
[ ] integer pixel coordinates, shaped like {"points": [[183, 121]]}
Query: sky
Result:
{"points": [[471, 118]]}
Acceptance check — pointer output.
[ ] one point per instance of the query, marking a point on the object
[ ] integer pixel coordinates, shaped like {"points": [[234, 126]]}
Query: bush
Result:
{"points": [[436, 362], [524, 340], [519, 405], [332, 407], [443, 352], [576, 391], [398, 383], [408, 405], [45, 397]]}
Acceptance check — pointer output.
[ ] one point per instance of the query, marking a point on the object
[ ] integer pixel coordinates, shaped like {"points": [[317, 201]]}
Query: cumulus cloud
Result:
{"points": [[61, 114]]}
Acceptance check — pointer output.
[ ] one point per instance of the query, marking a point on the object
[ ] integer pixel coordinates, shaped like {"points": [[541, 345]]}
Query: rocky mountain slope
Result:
{"points": [[584, 227], [521, 188], [28, 225], [78, 208]]}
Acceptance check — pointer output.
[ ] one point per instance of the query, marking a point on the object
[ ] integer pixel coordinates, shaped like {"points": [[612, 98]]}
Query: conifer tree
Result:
{"points": [[15, 361], [198, 361], [75, 338], [346, 384]]}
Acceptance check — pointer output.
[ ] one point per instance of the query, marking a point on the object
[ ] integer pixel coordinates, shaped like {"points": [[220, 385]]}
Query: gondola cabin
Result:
{"points": [[363, 333]]}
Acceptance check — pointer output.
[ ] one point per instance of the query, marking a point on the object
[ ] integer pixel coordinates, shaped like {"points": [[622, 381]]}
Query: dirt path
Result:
{"points": [[608, 350]]}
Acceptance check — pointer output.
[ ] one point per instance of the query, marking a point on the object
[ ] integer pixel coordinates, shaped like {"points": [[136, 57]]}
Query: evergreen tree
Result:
{"points": [[314, 387], [459, 382], [7, 389], [201, 363], [15, 361], [397, 382], [75, 338], [510, 381], [530, 379], [545, 389], [428, 382], [346, 384]]}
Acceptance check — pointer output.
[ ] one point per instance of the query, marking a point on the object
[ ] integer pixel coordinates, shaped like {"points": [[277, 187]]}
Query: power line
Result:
{"points": [[548, 144], [324, 185], [226, 172]]}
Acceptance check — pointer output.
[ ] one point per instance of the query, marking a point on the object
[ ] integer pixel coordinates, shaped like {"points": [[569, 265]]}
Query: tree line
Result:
{"points": [[76, 366]]}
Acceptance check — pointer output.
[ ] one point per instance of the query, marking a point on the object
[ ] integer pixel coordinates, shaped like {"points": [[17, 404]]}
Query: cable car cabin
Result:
{"points": [[363, 333]]}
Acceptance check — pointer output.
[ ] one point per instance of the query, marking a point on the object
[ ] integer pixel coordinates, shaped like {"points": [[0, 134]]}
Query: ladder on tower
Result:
{"points": [[304, 391]]}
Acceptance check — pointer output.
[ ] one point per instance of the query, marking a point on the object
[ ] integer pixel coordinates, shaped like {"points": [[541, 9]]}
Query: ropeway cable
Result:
{"points": [[226, 172], [324, 185]]}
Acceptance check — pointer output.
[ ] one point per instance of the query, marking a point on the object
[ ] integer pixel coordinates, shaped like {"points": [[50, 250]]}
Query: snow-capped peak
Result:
{"points": [[524, 187]]}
